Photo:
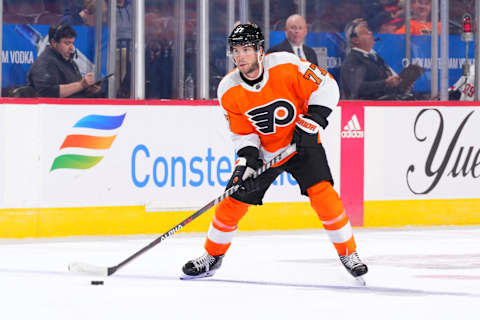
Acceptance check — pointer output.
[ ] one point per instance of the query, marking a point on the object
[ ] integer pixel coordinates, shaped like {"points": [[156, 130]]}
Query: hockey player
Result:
{"points": [[270, 101]]}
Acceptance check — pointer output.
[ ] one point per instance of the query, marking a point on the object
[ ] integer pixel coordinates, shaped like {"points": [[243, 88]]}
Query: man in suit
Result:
{"points": [[295, 33], [364, 74]]}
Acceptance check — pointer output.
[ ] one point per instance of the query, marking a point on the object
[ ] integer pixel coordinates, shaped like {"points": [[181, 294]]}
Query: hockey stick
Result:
{"points": [[80, 267]]}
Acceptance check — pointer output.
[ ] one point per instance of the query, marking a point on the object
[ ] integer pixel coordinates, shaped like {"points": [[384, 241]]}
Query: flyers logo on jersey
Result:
{"points": [[267, 117]]}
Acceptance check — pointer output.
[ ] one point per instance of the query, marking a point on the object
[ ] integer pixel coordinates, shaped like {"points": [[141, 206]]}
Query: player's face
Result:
{"points": [[65, 47], [245, 58]]}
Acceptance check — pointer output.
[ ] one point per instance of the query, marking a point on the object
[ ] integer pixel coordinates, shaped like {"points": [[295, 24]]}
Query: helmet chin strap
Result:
{"points": [[260, 66]]}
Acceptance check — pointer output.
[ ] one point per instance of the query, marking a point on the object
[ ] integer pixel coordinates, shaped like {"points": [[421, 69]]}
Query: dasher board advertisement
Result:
{"points": [[168, 157], [418, 153]]}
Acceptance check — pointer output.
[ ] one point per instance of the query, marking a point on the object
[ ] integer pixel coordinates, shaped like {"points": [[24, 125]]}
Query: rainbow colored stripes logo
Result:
{"points": [[92, 122]]}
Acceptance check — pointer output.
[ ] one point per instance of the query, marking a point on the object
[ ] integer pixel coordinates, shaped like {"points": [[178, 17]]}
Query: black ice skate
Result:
{"points": [[201, 267], [354, 266]]}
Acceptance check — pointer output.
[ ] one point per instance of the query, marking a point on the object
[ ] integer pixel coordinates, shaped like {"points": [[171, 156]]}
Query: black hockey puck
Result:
{"points": [[96, 283]]}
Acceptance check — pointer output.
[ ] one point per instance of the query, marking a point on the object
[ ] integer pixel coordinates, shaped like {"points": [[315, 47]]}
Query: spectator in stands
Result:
{"points": [[29, 12], [393, 7], [295, 32], [420, 23], [85, 15], [55, 74], [364, 74], [384, 22], [124, 19], [378, 10], [124, 45], [334, 15], [279, 12]]}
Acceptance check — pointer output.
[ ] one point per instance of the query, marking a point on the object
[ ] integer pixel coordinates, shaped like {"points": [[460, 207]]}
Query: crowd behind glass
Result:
{"points": [[323, 17]]}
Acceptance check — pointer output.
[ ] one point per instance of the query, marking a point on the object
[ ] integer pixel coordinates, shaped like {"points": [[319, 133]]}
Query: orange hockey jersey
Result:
{"points": [[264, 115]]}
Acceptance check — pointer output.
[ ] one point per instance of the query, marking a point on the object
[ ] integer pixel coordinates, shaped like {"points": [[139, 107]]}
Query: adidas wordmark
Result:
{"points": [[352, 129]]}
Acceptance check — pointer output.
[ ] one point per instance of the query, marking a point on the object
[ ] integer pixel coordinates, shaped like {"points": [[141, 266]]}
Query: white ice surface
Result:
{"points": [[427, 273]]}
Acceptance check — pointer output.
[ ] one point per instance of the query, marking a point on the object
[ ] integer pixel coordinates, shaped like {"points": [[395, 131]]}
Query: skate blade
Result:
{"points": [[203, 275], [360, 281]]}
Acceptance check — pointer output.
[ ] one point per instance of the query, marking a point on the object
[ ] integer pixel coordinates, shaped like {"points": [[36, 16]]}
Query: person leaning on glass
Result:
{"points": [[55, 74]]}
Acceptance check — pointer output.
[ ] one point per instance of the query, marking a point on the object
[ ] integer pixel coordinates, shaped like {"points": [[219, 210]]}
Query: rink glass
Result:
{"points": [[173, 38]]}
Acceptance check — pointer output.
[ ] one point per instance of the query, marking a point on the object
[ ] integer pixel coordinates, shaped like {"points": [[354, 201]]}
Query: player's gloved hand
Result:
{"points": [[245, 167], [307, 130]]}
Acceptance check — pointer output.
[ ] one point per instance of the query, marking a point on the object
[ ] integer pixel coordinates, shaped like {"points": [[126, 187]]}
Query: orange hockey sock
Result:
{"points": [[329, 208], [225, 222]]}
